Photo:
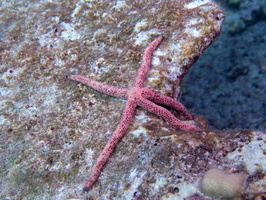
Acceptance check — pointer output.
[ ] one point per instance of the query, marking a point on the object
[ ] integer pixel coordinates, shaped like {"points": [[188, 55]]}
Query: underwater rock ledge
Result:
{"points": [[53, 129]]}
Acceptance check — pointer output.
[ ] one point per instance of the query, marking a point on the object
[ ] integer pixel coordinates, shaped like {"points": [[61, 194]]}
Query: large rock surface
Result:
{"points": [[53, 129]]}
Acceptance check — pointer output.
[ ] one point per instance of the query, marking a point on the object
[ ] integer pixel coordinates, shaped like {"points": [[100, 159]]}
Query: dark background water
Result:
{"points": [[228, 83]]}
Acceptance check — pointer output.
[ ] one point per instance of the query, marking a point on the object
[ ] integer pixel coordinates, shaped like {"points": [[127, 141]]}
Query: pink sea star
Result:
{"points": [[136, 96]]}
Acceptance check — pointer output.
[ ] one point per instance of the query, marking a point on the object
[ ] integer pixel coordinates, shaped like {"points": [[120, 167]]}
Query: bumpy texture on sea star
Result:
{"points": [[136, 96]]}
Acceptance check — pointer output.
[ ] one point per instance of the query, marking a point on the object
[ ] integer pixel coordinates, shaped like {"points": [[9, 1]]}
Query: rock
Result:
{"points": [[53, 129]]}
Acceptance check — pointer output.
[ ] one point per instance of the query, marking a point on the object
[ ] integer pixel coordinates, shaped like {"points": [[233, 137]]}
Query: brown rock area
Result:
{"points": [[53, 129]]}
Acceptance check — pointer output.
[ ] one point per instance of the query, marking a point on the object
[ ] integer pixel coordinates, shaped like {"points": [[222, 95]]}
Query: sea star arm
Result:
{"points": [[101, 87], [166, 115], [121, 129], [146, 62], [151, 94]]}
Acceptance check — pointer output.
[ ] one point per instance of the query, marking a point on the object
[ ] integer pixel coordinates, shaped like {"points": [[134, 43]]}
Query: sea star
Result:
{"points": [[136, 96]]}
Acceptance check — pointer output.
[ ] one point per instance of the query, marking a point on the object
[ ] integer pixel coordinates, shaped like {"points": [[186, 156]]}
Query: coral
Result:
{"points": [[244, 13], [248, 9], [220, 184]]}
